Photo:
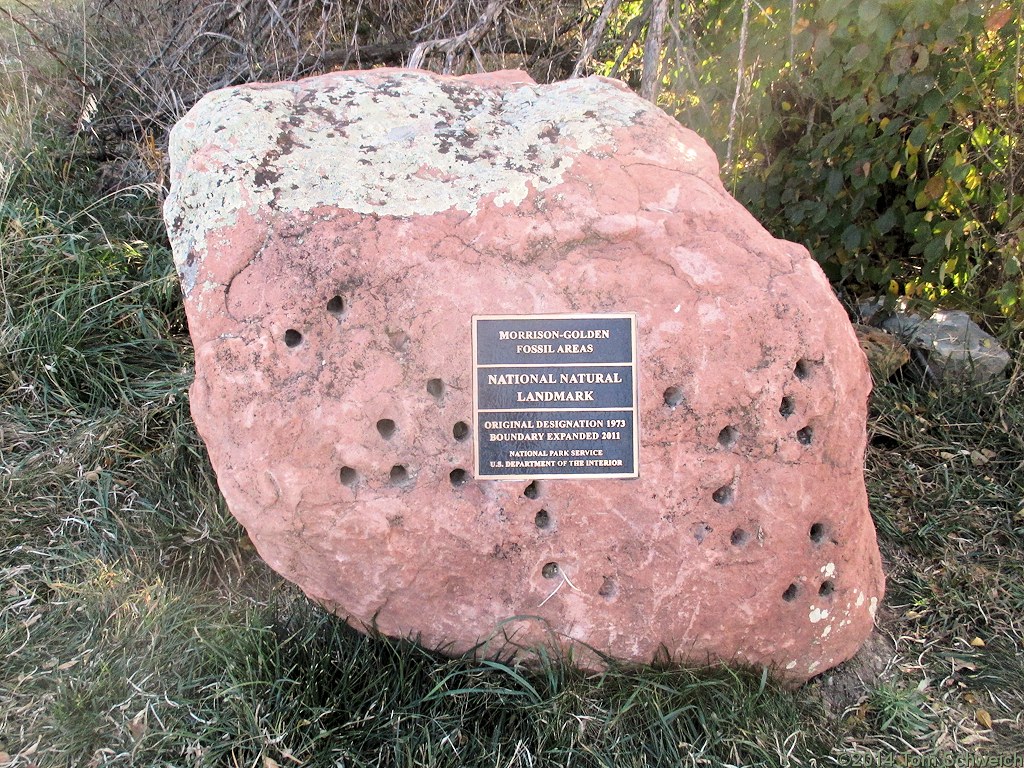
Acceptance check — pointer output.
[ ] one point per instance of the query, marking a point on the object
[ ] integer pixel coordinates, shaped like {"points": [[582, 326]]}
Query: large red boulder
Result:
{"points": [[336, 236]]}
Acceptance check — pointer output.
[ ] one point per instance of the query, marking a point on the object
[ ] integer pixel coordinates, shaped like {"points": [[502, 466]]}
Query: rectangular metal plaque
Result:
{"points": [[555, 396]]}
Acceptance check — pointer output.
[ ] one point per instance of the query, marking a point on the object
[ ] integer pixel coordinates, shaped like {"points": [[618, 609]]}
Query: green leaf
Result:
{"points": [[934, 250], [834, 183], [932, 101], [869, 10], [919, 135], [885, 222], [851, 237]]}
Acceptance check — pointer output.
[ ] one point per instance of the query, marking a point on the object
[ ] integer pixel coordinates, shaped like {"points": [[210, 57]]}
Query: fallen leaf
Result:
{"points": [[91, 476], [979, 459], [984, 718], [269, 762], [978, 642], [970, 698]]}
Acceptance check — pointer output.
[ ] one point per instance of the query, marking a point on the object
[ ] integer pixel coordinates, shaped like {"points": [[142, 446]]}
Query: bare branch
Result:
{"points": [[739, 83], [596, 33], [452, 45], [650, 79], [632, 33]]}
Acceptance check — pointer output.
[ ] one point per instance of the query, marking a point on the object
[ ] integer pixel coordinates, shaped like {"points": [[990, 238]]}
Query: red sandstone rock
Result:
{"points": [[334, 237]]}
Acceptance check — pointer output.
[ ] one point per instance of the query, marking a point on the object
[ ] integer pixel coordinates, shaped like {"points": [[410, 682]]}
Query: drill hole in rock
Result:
{"points": [[542, 519], [399, 475], [435, 388], [458, 477], [728, 437], [805, 436], [802, 369], [723, 495], [608, 588], [336, 306], [292, 338], [532, 491], [549, 571], [739, 537], [460, 431], [348, 476], [701, 531], [787, 407], [791, 593], [673, 397], [818, 533], [827, 588], [386, 428]]}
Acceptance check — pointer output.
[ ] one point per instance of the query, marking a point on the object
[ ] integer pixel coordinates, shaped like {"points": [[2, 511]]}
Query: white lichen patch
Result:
{"points": [[791, 665], [401, 144], [828, 570], [817, 614], [873, 606], [860, 599], [825, 632]]}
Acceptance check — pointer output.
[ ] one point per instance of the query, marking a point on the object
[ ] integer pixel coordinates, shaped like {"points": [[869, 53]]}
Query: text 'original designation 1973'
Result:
{"points": [[555, 396]]}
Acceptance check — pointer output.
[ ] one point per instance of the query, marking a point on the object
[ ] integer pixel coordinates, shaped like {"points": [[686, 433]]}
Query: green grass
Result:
{"points": [[138, 628]]}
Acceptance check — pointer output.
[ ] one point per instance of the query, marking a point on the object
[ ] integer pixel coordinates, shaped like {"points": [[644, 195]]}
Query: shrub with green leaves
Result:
{"points": [[886, 135], [898, 158]]}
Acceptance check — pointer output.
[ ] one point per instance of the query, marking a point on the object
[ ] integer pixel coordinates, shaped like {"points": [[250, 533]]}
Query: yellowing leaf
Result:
{"points": [[935, 187], [978, 642], [984, 718]]}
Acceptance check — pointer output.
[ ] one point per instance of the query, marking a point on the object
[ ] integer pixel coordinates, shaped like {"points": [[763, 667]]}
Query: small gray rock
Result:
{"points": [[953, 343]]}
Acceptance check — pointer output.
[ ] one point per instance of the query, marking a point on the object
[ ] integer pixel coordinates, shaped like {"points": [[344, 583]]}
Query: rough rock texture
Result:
{"points": [[953, 344], [948, 343], [334, 237]]}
